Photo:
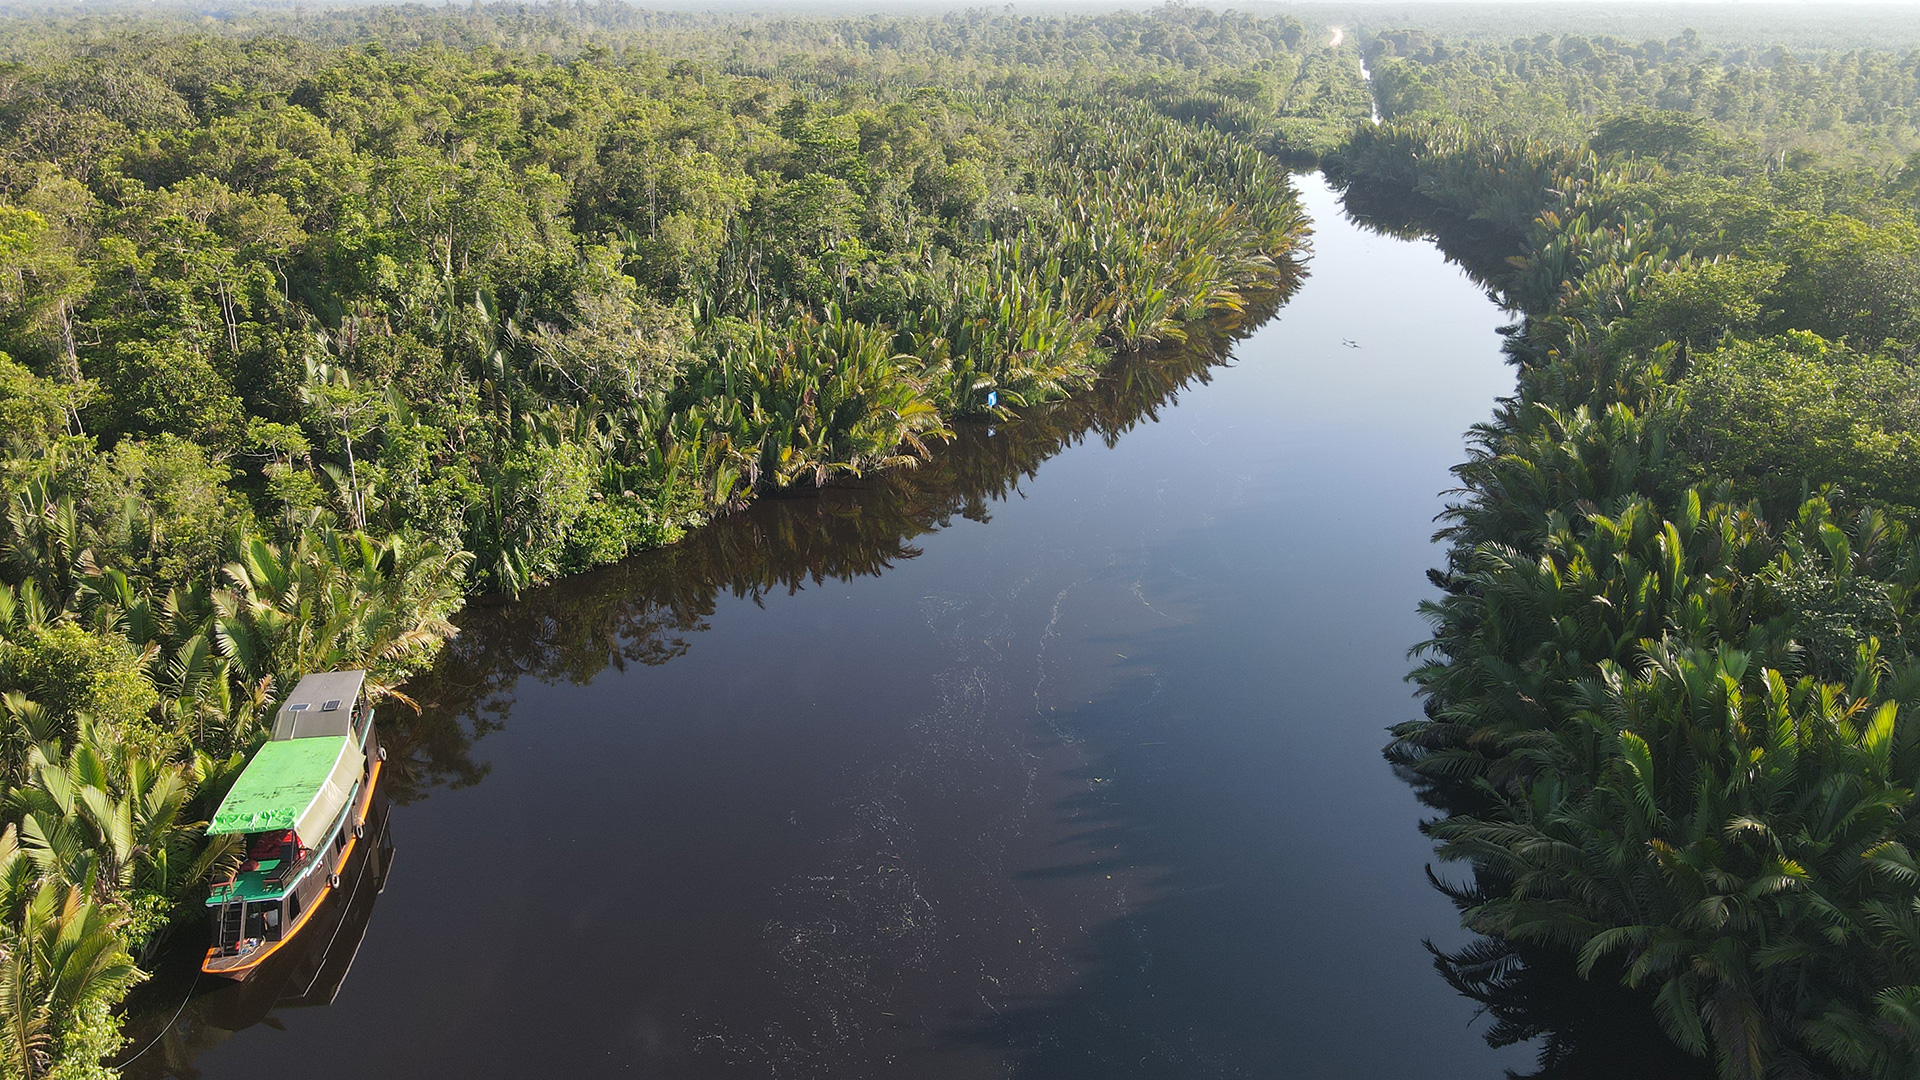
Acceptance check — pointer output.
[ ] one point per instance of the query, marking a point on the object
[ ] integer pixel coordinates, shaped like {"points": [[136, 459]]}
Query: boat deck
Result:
{"points": [[265, 882]]}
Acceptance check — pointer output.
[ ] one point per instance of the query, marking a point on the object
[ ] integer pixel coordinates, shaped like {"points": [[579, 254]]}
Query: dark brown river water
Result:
{"points": [[1059, 758]]}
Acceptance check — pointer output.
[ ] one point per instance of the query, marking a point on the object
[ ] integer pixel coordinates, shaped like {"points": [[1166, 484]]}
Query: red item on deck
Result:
{"points": [[270, 845]]}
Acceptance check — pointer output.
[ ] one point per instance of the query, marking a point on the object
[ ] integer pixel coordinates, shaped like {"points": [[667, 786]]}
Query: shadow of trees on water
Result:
{"points": [[1586, 1028], [1187, 983], [1181, 984], [1207, 975], [650, 608]]}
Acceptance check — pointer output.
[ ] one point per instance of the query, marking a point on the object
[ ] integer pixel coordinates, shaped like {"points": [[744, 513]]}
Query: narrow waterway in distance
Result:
{"points": [[1059, 760]]}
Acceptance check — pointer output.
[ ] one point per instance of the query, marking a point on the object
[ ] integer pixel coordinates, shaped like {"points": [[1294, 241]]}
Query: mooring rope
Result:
{"points": [[358, 880], [191, 987]]}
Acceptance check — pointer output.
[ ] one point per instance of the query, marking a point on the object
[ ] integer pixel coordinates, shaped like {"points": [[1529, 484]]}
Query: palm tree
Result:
{"points": [[336, 600], [61, 958]]}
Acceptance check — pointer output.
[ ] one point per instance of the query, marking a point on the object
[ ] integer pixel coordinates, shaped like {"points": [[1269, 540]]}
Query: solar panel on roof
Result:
{"points": [[330, 705]]}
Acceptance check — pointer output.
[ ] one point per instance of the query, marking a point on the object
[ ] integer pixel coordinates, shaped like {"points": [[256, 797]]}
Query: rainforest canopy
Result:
{"points": [[298, 784]]}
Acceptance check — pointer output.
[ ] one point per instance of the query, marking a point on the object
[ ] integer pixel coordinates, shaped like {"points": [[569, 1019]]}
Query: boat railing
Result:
{"points": [[291, 869]]}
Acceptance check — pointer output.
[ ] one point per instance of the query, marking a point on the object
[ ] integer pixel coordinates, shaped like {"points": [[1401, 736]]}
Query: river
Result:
{"points": [[1060, 759]]}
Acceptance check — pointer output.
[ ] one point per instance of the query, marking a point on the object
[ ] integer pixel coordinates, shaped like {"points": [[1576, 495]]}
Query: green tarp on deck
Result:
{"points": [[298, 784]]}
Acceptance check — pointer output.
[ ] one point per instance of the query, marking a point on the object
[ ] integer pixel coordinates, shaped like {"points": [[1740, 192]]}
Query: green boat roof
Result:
{"points": [[279, 785]]}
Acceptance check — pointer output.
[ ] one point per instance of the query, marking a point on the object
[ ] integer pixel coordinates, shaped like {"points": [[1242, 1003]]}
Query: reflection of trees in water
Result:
{"points": [[646, 609], [1587, 1029], [1404, 215]]}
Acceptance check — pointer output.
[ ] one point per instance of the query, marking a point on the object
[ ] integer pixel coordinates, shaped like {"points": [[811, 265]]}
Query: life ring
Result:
{"points": [[383, 753], [333, 881], [359, 829]]}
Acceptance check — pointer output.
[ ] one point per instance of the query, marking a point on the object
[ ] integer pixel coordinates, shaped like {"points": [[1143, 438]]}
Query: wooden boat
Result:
{"points": [[299, 808], [311, 969]]}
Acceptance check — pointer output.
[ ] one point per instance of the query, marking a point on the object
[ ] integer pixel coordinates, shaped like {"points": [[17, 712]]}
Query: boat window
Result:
{"points": [[263, 920], [293, 906]]}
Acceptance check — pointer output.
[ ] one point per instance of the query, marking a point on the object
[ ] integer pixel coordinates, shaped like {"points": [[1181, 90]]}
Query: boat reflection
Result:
{"points": [[176, 1018]]}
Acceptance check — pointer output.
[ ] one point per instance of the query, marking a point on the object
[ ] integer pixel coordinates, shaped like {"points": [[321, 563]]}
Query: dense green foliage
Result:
{"points": [[1859, 106], [1672, 692], [549, 312], [312, 326], [310, 330]]}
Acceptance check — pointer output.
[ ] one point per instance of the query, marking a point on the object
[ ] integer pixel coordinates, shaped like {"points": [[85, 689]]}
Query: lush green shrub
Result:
{"points": [[1783, 416]]}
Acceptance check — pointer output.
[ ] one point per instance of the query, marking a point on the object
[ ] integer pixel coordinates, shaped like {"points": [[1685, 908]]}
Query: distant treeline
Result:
{"points": [[1859, 107], [1757, 25], [1672, 699]]}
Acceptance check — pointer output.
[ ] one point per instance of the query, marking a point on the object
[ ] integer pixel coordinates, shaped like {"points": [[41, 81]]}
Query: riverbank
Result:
{"points": [[1576, 707], [1087, 785], [292, 372]]}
